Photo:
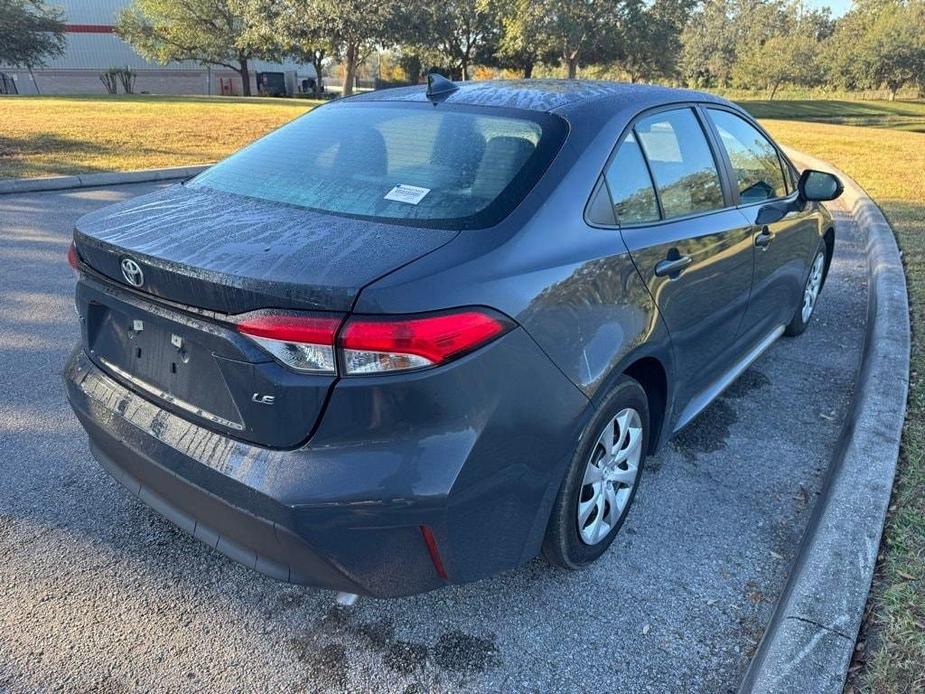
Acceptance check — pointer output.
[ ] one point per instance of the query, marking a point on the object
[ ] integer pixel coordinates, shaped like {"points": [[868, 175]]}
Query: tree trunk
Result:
{"points": [[36, 84], [528, 69], [245, 76], [350, 68], [572, 62], [465, 69], [317, 63], [893, 91], [774, 88]]}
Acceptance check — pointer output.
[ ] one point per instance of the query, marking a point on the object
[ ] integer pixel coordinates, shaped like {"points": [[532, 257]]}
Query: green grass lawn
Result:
{"points": [[890, 165], [45, 136], [53, 136]]}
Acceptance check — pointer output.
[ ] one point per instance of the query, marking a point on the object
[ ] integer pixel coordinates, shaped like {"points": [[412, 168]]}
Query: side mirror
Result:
{"points": [[819, 186]]}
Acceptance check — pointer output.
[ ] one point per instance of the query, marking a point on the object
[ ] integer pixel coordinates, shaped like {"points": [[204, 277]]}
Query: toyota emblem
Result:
{"points": [[132, 273]]}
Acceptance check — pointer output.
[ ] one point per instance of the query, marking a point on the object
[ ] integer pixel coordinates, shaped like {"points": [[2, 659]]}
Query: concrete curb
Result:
{"points": [[809, 642], [29, 185]]}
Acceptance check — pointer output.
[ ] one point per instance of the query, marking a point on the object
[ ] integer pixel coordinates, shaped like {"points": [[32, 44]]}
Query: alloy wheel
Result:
{"points": [[813, 285], [610, 476]]}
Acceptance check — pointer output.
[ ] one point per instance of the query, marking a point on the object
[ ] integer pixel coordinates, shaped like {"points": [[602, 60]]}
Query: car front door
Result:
{"points": [[691, 246], [784, 247]]}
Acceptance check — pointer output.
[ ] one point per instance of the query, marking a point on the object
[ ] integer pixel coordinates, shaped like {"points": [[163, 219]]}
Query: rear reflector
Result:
{"points": [[72, 256], [377, 344], [302, 342], [434, 552]]}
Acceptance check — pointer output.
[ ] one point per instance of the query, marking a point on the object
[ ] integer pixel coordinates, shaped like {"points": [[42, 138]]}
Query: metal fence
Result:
{"points": [[7, 84]]}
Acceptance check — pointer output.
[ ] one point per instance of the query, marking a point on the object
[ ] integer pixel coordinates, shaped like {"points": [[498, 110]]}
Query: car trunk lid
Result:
{"points": [[233, 254]]}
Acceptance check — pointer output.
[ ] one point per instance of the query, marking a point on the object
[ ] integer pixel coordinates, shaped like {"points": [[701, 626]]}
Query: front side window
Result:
{"points": [[416, 164], [757, 166], [681, 162], [630, 185]]}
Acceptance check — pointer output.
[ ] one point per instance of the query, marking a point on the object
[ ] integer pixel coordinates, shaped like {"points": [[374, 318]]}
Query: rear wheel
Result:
{"points": [[602, 479], [811, 289]]}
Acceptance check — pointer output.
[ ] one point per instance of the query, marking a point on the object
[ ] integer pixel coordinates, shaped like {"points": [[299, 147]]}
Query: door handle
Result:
{"points": [[672, 267], [764, 238]]}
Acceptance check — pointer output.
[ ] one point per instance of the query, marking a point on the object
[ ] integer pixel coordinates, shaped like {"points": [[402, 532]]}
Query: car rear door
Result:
{"points": [[691, 246], [785, 234]]}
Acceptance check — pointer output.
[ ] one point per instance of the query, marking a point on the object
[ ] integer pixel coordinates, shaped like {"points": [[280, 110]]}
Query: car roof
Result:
{"points": [[561, 96]]}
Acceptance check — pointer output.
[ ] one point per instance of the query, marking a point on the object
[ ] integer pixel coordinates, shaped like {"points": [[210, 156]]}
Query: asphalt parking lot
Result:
{"points": [[98, 593]]}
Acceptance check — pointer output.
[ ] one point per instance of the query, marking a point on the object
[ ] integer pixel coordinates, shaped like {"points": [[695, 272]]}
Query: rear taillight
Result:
{"points": [[303, 343], [378, 344], [373, 344], [72, 257]]}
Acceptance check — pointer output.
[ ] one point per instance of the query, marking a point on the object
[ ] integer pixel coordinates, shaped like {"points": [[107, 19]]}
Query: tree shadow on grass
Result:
{"points": [[17, 155], [900, 115]]}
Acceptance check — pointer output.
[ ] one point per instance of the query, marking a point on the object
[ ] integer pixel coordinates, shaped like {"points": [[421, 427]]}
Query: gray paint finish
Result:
{"points": [[232, 253]]}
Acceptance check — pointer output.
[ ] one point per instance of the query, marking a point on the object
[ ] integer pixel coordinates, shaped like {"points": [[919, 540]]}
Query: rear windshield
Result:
{"points": [[441, 166]]}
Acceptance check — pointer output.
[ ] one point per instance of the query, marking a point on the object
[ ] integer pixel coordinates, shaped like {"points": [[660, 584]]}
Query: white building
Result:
{"points": [[93, 48]]}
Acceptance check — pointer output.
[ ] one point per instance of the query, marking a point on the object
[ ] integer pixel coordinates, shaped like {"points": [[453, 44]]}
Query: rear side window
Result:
{"points": [[681, 162], [755, 161], [445, 166], [630, 185]]}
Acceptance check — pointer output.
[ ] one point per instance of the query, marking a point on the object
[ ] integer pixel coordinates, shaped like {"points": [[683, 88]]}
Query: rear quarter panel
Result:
{"points": [[573, 287]]}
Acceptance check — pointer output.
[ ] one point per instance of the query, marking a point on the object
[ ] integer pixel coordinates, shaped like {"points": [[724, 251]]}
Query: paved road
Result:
{"points": [[99, 593]]}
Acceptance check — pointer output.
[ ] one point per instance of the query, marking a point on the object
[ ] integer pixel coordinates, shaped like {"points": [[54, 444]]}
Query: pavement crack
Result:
{"points": [[821, 626]]}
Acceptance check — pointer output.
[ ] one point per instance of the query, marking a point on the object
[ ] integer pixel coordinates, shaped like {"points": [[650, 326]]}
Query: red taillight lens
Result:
{"points": [[302, 342], [72, 256], [373, 344], [392, 343]]}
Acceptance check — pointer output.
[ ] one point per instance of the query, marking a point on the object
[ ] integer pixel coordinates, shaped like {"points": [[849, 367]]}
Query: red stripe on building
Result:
{"points": [[88, 28]]}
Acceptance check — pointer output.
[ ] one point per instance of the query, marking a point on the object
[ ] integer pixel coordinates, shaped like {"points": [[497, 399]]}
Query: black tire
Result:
{"points": [[563, 545], [798, 324]]}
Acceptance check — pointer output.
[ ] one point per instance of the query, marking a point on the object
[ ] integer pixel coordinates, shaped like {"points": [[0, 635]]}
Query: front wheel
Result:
{"points": [[602, 479], [804, 312]]}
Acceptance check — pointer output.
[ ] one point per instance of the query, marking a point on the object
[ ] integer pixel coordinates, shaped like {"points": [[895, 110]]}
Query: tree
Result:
{"points": [[879, 43], [779, 60], [651, 41], [788, 52], [348, 29], [296, 28], [450, 38], [709, 44], [522, 44], [354, 28], [584, 31], [753, 43], [208, 31], [459, 32], [893, 51], [30, 33]]}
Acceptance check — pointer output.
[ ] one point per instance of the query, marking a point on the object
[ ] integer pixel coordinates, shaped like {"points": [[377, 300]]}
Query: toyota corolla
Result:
{"points": [[419, 336]]}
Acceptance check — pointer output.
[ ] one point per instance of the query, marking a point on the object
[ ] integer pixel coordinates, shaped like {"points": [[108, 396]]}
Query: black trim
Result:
{"points": [[645, 160], [630, 126]]}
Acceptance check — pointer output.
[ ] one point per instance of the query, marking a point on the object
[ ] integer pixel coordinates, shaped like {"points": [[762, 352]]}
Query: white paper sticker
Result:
{"points": [[409, 194]]}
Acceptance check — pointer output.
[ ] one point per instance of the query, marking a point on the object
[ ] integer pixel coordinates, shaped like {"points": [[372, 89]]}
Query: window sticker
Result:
{"points": [[409, 194]]}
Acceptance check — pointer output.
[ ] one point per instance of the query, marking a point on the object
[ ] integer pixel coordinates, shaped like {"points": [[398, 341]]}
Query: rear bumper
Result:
{"points": [[479, 468]]}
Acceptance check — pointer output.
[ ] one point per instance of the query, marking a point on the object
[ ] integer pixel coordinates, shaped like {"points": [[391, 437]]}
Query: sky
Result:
{"points": [[838, 7]]}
